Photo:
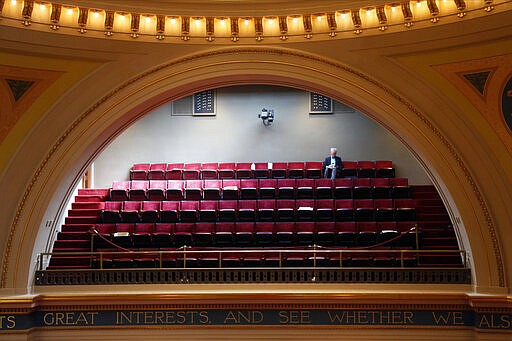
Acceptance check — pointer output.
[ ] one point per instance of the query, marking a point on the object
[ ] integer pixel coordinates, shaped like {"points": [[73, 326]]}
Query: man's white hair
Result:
{"points": [[334, 149]]}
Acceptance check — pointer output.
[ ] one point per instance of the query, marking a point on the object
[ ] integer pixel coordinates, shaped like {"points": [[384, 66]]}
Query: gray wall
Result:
{"points": [[237, 134]]}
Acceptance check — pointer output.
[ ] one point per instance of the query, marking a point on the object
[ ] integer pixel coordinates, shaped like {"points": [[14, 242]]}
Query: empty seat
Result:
{"points": [[209, 171], [123, 260], [243, 170], [253, 259], [295, 170], [175, 190], [228, 210], [305, 188], [326, 233], [305, 209], [157, 171], [138, 189], [384, 210], [212, 189], [344, 209], [192, 171], [387, 230], [208, 210], [157, 190], [169, 211], [360, 259], [174, 171], [142, 235], [314, 170], [384, 169], [266, 210], [230, 189], [150, 211], [249, 189], [278, 170], [183, 234], [193, 189], [349, 169], [204, 234], [146, 259], [130, 211], [162, 234], [401, 188], [366, 169], [264, 233], [323, 188], [346, 233], [168, 258], [119, 190], [285, 232], [226, 170], [305, 232], [112, 212], [247, 210], [244, 234], [364, 210], [261, 170], [268, 188], [139, 171], [189, 211], [122, 235], [342, 188], [286, 188], [405, 209], [295, 259], [367, 233], [325, 209], [381, 188], [362, 188], [408, 235], [225, 233], [285, 210], [103, 235]]}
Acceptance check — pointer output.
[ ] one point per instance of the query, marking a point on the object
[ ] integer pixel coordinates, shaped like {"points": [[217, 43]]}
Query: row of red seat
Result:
{"points": [[261, 210], [263, 188], [259, 170], [229, 234]]}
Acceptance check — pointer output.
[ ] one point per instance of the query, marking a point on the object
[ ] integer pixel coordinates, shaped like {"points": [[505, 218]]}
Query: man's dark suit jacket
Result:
{"points": [[337, 159]]}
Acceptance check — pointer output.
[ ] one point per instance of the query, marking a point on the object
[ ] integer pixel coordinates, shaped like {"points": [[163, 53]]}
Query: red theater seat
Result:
{"points": [[384, 169], [405, 209], [349, 169], [157, 190], [384, 210], [169, 211], [285, 232], [314, 170], [344, 209], [295, 170], [112, 212], [150, 211], [278, 170], [243, 170], [381, 189], [139, 171], [227, 170], [325, 209], [203, 234], [266, 210], [228, 210], [142, 235], [285, 210], [130, 211], [362, 188], [230, 189], [183, 234], [366, 169], [174, 171], [343, 188], [286, 188], [189, 211], [175, 190], [305, 209], [264, 233], [305, 188], [162, 235], [192, 171], [212, 189], [261, 170], [122, 235], [305, 232], [249, 189], [193, 189], [268, 188], [247, 210], [387, 230], [138, 190], [119, 191], [209, 171], [401, 188], [326, 233], [367, 233], [364, 210], [103, 235], [244, 234], [157, 171], [225, 233], [323, 188], [208, 210], [346, 233]]}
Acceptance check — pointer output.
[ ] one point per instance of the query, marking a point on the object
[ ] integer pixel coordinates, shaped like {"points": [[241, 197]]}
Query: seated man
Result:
{"points": [[332, 164]]}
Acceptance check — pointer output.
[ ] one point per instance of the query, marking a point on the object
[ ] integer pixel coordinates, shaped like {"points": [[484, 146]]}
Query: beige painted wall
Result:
{"points": [[237, 134]]}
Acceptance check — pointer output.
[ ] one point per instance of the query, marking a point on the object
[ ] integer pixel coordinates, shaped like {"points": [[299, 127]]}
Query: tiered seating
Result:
{"points": [[243, 205]]}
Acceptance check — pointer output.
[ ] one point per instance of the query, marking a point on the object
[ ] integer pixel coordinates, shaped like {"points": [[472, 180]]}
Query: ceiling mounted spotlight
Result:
{"points": [[267, 116]]}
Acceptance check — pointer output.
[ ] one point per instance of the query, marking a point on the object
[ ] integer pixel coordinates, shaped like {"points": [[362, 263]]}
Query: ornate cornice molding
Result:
{"points": [[235, 53]]}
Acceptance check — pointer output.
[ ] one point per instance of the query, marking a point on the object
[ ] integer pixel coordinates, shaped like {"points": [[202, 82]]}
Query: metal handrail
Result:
{"points": [[314, 250]]}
